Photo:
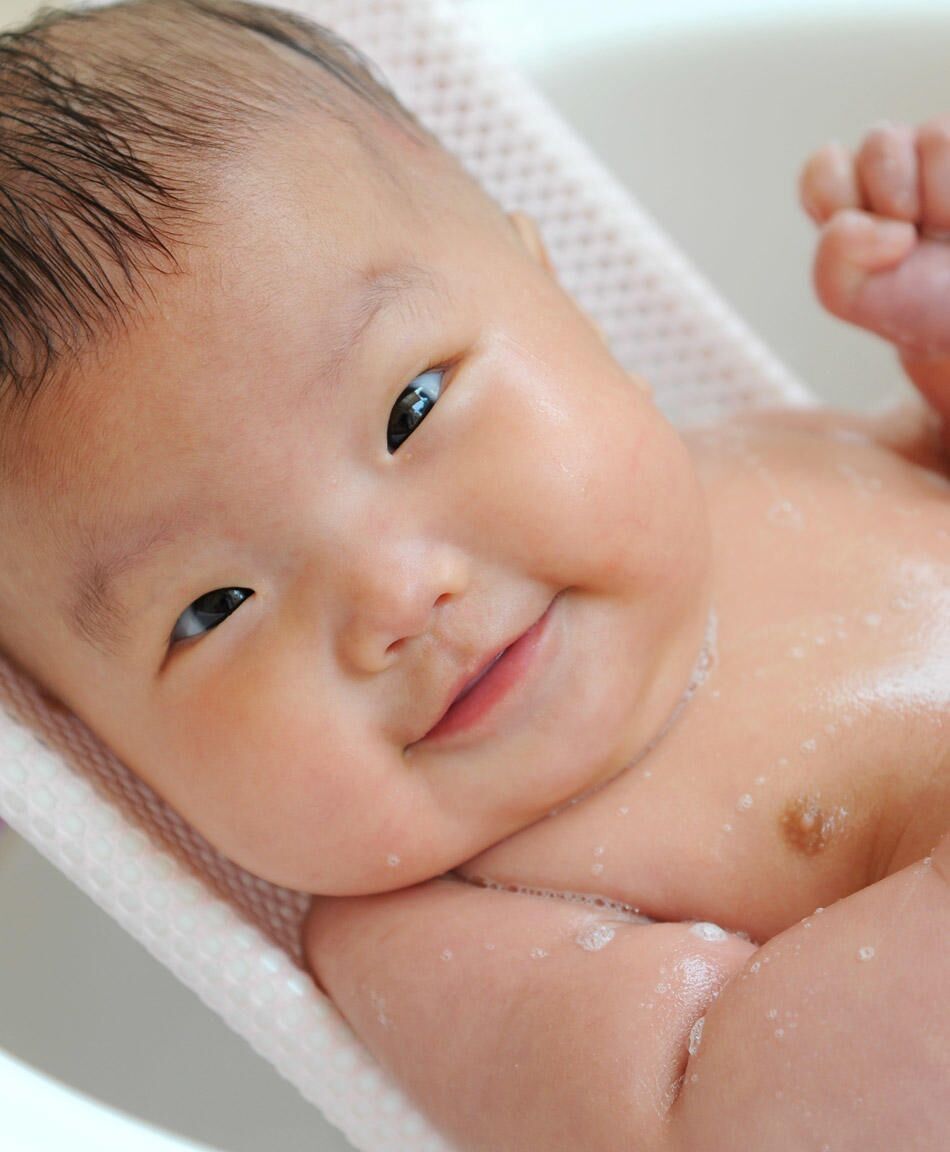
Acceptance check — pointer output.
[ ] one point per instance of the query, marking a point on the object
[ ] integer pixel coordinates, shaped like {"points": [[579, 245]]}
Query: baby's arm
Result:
{"points": [[538, 1044], [836, 1034], [521, 1023]]}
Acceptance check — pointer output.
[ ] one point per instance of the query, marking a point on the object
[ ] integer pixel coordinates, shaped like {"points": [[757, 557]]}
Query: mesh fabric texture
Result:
{"points": [[229, 936]]}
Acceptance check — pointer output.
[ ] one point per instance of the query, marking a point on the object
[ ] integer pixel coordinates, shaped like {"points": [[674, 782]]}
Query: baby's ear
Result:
{"points": [[527, 230]]}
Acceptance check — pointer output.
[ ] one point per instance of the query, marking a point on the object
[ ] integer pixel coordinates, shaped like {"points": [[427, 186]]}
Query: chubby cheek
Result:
{"points": [[613, 493], [670, 535], [289, 788], [541, 467]]}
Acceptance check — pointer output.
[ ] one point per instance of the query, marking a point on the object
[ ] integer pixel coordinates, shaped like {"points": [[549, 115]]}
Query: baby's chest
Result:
{"points": [[812, 758]]}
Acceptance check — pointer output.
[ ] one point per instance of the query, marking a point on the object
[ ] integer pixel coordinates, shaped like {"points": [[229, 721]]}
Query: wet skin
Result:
{"points": [[809, 767]]}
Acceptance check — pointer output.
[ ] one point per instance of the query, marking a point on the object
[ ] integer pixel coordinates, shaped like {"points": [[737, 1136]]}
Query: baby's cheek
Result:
{"points": [[659, 534]]}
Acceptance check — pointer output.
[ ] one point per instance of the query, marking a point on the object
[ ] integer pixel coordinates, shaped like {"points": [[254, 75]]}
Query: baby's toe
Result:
{"points": [[828, 183], [933, 146], [887, 172]]}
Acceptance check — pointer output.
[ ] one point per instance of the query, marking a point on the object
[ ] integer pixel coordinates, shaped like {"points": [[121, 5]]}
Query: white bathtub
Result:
{"points": [[706, 109]]}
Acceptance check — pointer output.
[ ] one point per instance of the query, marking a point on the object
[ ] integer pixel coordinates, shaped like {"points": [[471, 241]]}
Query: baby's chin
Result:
{"points": [[668, 684]]}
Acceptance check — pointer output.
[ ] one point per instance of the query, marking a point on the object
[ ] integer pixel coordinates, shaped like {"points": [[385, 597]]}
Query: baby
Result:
{"points": [[328, 509]]}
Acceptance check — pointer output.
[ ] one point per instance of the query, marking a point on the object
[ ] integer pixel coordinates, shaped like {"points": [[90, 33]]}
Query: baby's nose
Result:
{"points": [[391, 594]]}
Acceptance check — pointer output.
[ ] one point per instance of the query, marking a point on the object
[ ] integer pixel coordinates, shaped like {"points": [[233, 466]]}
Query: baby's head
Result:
{"points": [[299, 430]]}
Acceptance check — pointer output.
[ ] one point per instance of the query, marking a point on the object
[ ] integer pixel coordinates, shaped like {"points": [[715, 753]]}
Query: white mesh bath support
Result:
{"points": [[230, 937]]}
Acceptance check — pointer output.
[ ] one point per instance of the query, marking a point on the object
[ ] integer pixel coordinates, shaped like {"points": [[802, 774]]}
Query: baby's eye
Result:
{"points": [[413, 406], [208, 611]]}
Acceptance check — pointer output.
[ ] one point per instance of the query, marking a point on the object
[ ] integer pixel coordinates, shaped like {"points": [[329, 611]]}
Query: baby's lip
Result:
{"points": [[469, 684], [467, 681]]}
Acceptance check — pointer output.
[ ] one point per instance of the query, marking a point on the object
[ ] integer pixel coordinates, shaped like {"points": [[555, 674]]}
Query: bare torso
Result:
{"points": [[812, 760], [809, 769]]}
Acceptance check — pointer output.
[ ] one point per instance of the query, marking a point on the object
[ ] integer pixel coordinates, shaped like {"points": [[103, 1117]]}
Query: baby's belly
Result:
{"points": [[813, 759]]}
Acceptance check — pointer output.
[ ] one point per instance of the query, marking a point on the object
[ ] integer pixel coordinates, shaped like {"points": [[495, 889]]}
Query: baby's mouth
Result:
{"points": [[475, 679], [467, 686], [499, 674]]}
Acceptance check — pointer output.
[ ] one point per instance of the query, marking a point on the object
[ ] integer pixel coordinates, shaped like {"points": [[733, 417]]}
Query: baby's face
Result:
{"points": [[386, 564]]}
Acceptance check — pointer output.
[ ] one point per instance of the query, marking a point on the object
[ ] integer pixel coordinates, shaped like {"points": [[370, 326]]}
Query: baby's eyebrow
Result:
{"points": [[95, 612], [376, 292]]}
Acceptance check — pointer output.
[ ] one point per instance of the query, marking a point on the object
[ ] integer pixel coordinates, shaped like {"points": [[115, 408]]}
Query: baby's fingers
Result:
{"points": [[933, 144], [887, 171], [829, 183], [853, 246]]}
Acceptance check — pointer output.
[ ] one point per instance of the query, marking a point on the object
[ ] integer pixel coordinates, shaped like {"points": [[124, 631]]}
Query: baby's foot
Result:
{"points": [[883, 258]]}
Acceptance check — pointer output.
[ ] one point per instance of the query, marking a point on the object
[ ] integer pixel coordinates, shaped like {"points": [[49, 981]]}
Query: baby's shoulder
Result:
{"points": [[910, 431]]}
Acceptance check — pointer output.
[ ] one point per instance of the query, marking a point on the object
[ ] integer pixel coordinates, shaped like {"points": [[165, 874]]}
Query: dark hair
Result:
{"points": [[113, 122]]}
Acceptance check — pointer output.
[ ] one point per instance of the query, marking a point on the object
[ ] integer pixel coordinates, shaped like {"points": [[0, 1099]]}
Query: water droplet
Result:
{"points": [[865, 953], [744, 802], [727, 827], [809, 745], [754, 966], [760, 779], [595, 937], [489, 947], [848, 434], [872, 619], [392, 860], [539, 953], [696, 1035], [772, 1013], [446, 953], [596, 869], [647, 774], [797, 653], [599, 850], [779, 1033], [623, 811], [694, 1077], [784, 512], [379, 1004], [707, 931]]}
